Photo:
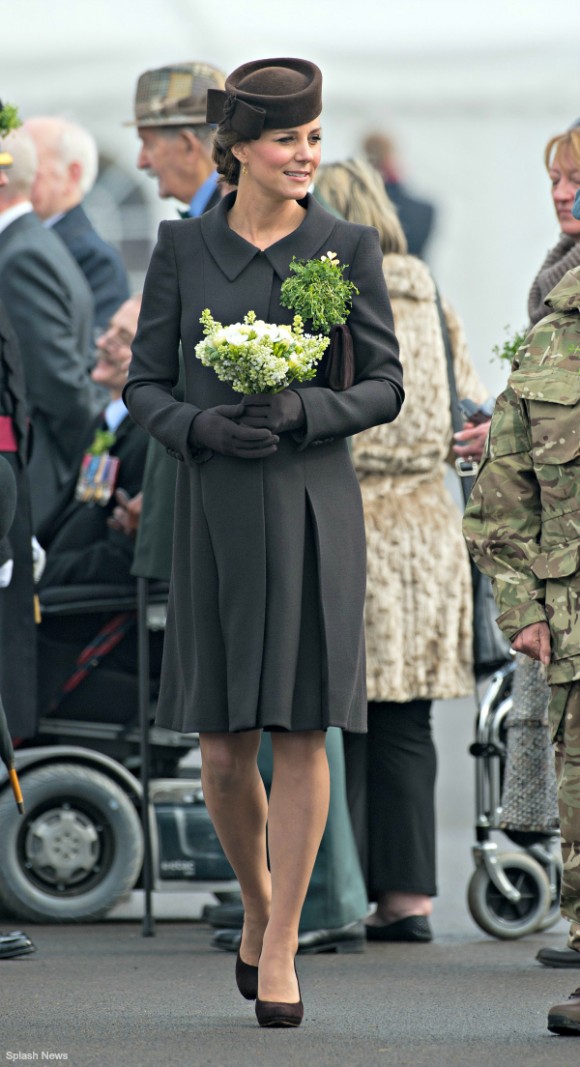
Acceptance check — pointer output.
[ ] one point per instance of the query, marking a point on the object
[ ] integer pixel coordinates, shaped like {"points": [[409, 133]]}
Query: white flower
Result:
{"points": [[331, 258], [257, 356]]}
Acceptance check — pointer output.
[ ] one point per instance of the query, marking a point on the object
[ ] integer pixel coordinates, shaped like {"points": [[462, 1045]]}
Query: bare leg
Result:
{"points": [[236, 801], [297, 816]]}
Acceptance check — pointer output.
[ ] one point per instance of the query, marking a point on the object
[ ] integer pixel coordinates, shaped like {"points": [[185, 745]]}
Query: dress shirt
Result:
{"points": [[114, 414], [201, 199]]}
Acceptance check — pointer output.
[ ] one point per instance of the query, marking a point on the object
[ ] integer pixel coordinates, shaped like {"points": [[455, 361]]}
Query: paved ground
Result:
{"points": [[104, 996]]}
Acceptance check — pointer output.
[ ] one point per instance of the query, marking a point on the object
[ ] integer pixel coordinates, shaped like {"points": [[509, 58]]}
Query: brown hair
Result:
{"points": [[226, 163], [358, 193], [570, 140]]}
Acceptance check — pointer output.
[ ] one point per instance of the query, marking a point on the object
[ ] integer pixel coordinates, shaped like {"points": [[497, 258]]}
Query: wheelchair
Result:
{"points": [[88, 839], [510, 894]]}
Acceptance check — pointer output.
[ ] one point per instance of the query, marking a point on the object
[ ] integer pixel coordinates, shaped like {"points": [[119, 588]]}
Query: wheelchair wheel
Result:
{"points": [[503, 918], [78, 849]]}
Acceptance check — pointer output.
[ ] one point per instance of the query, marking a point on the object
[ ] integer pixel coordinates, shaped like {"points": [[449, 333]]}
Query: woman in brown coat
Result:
{"points": [[265, 624], [418, 607]]}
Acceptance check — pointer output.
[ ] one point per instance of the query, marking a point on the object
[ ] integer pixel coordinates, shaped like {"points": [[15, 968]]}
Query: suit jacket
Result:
{"points": [[246, 532], [81, 548], [17, 625], [416, 216], [100, 263], [50, 307]]}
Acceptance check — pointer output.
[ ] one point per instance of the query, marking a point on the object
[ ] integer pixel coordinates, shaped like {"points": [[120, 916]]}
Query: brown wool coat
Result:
{"points": [[265, 624], [418, 603]]}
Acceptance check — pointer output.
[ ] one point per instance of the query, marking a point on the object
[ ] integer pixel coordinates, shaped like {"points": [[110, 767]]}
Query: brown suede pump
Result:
{"points": [[246, 978], [269, 1013]]}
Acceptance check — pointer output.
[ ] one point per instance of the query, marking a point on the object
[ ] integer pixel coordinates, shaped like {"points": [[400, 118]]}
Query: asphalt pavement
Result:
{"points": [[103, 995]]}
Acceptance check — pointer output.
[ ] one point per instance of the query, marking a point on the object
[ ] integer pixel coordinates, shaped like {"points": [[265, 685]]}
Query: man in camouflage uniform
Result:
{"points": [[522, 527]]}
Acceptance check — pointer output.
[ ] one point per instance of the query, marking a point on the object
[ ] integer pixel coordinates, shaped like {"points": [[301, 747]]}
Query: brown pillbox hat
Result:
{"points": [[267, 94], [175, 95]]}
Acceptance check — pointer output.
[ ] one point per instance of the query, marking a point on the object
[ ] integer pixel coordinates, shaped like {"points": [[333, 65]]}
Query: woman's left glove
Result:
{"points": [[277, 412]]}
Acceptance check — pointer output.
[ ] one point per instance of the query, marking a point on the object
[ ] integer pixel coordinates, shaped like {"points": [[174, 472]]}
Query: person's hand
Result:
{"points": [[469, 442], [126, 513], [215, 429], [278, 412], [534, 641]]}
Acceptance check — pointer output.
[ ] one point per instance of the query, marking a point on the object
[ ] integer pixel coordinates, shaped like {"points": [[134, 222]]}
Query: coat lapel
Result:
{"points": [[233, 254]]}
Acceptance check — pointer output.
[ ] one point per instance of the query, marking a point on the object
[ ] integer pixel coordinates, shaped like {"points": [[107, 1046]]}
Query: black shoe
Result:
{"points": [[558, 957], [15, 944], [233, 899], [224, 916], [246, 978], [411, 928], [349, 938], [270, 1013]]}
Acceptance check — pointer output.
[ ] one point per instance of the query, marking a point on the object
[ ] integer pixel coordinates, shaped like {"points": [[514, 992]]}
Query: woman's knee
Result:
{"points": [[228, 759]]}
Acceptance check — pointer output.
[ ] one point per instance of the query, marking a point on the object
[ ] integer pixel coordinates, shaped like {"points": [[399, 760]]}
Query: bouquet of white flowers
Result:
{"points": [[259, 357]]}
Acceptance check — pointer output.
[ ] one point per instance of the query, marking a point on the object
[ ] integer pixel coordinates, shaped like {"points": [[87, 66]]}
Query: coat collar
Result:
{"points": [[233, 254]]}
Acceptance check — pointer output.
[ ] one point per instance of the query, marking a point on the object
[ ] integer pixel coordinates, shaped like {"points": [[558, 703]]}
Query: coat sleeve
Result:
{"points": [[502, 521], [377, 395], [154, 370]]}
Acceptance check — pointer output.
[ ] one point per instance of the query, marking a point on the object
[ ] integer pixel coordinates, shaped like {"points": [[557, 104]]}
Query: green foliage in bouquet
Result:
{"points": [[319, 291]]}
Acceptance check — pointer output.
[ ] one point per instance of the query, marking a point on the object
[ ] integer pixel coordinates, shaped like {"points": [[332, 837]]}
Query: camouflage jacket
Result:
{"points": [[522, 522]]}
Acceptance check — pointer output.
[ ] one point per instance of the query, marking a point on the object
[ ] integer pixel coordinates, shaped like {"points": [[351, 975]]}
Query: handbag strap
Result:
{"points": [[457, 420]]}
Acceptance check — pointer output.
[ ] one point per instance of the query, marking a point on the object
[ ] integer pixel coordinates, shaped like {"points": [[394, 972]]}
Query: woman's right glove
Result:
{"points": [[215, 429]]}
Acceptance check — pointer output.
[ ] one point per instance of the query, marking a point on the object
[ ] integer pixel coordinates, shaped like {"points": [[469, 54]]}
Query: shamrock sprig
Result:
{"points": [[319, 291], [8, 118], [102, 442]]}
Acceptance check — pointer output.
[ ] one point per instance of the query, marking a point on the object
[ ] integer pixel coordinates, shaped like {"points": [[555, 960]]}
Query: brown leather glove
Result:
{"points": [[215, 429], [277, 412]]}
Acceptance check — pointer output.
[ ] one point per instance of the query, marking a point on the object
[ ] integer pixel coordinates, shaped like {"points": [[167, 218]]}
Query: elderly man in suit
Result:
{"points": [[50, 308], [67, 169]]}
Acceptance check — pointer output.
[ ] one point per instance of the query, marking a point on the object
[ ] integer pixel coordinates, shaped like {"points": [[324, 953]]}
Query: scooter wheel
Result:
{"points": [[503, 918], [76, 851]]}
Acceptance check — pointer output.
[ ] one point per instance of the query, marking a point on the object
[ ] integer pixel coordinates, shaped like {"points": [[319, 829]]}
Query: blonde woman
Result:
{"points": [[418, 611]]}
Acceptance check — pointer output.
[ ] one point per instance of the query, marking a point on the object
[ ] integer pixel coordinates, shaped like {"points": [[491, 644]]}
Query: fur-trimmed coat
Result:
{"points": [[418, 610]]}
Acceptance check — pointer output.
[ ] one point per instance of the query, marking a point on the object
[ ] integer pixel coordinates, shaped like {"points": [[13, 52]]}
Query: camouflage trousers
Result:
{"points": [[564, 714]]}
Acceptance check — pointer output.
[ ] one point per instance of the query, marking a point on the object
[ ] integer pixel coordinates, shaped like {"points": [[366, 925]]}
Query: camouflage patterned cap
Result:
{"points": [[175, 95]]}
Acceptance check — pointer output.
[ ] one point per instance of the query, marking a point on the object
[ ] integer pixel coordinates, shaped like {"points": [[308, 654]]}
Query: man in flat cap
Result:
{"points": [[176, 140], [176, 148]]}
